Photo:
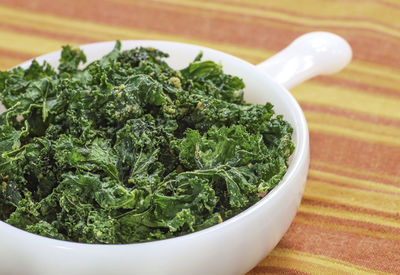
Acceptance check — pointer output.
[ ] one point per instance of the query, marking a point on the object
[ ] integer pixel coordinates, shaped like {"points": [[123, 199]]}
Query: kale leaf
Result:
{"points": [[129, 150]]}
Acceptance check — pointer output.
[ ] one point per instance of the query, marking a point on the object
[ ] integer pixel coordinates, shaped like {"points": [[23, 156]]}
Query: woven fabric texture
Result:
{"points": [[349, 218]]}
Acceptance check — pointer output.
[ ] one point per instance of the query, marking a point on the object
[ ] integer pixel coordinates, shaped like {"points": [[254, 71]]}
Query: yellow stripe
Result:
{"points": [[354, 171], [353, 124], [344, 98], [355, 134], [294, 264], [29, 44], [9, 62], [102, 32], [386, 73], [334, 177], [300, 260], [349, 215], [347, 228], [326, 192], [373, 69], [18, 42], [80, 28], [373, 75], [356, 129], [283, 25], [295, 19], [370, 10]]}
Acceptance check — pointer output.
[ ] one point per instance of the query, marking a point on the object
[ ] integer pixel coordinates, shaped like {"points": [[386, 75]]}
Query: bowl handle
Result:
{"points": [[309, 55]]}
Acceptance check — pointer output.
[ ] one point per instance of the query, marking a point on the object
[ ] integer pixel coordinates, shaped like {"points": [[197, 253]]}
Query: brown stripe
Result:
{"points": [[350, 114], [225, 27], [281, 39], [264, 5], [362, 41], [16, 55], [322, 79], [361, 176], [367, 251], [356, 84], [358, 224], [388, 4], [340, 150], [322, 180], [350, 208], [78, 39], [365, 48], [307, 16], [274, 270]]}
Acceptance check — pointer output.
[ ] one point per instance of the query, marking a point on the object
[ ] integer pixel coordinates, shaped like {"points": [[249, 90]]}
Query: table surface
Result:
{"points": [[349, 218]]}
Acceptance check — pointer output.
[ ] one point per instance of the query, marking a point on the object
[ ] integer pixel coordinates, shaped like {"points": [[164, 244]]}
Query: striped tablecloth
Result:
{"points": [[349, 219]]}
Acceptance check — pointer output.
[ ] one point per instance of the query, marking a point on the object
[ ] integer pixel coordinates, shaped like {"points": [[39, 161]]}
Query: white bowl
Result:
{"points": [[232, 247]]}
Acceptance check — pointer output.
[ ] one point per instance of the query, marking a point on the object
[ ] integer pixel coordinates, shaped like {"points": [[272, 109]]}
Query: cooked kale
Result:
{"points": [[130, 150]]}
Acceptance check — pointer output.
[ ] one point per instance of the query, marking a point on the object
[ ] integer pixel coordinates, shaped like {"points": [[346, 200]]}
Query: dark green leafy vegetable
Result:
{"points": [[129, 150]]}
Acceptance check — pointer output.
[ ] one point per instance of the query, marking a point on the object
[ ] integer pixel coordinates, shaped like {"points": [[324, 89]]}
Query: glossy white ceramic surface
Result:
{"points": [[232, 247], [309, 55]]}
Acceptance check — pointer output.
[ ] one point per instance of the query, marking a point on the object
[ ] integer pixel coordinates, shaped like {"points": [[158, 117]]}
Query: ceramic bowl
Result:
{"points": [[232, 247]]}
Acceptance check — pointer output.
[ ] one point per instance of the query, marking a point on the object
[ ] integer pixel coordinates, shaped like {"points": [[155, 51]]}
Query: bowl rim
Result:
{"points": [[299, 155]]}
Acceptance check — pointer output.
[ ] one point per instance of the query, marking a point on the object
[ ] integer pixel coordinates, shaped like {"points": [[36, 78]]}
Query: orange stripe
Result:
{"points": [[344, 214], [289, 261], [96, 31], [357, 174], [16, 55], [171, 18], [78, 39], [354, 173], [369, 73], [352, 181], [309, 202], [9, 59], [353, 186], [261, 3], [285, 14], [258, 270], [351, 114], [300, 13], [354, 129], [378, 158], [360, 41], [356, 84], [373, 253], [7, 62], [388, 4], [318, 94], [351, 226], [351, 195], [304, 261]]}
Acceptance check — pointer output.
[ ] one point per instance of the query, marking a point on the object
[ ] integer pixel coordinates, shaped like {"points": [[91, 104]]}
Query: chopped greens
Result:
{"points": [[130, 150]]}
